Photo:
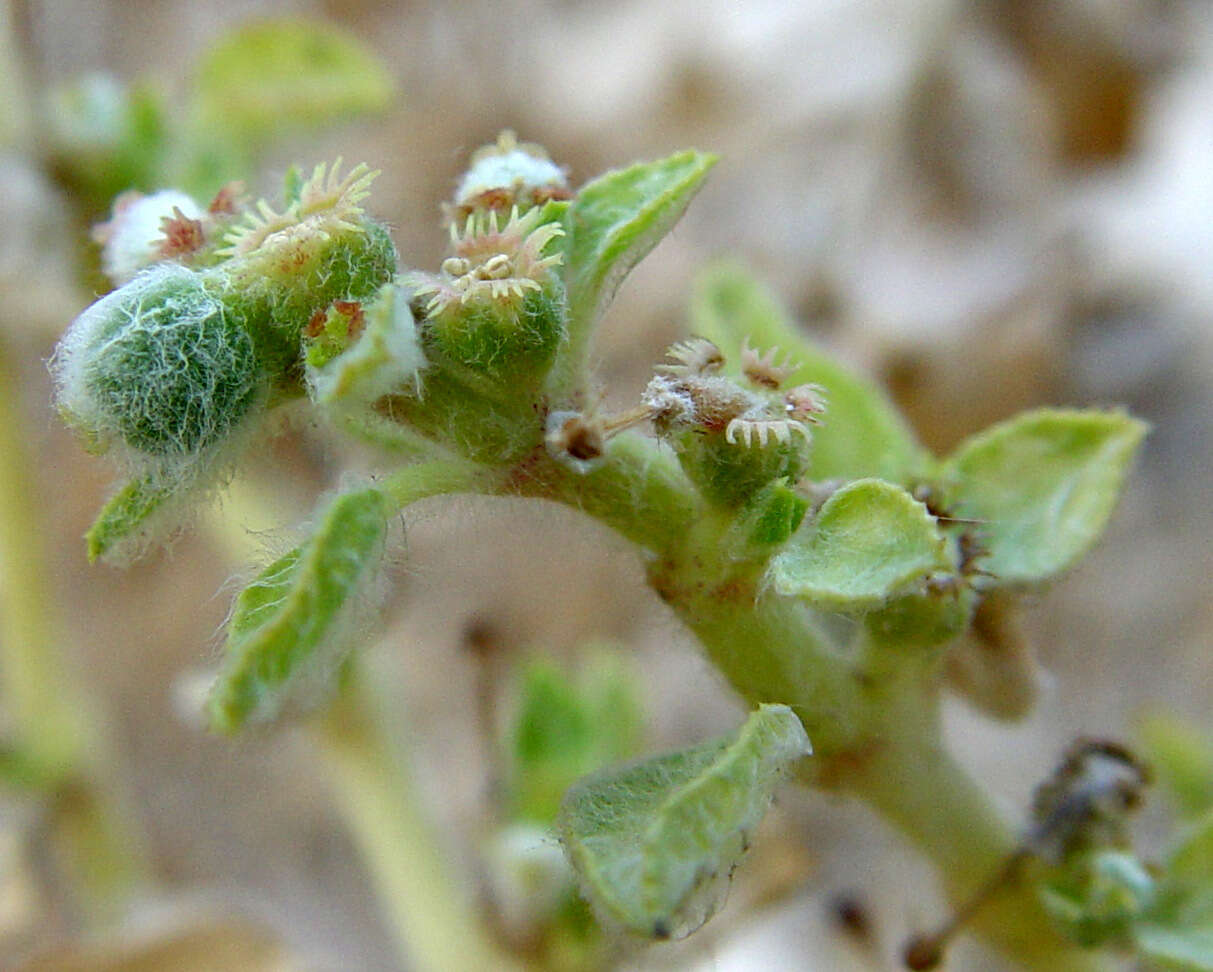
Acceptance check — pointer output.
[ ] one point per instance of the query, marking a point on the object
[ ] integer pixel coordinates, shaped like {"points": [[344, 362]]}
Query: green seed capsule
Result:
{"points": [[160, 363]]}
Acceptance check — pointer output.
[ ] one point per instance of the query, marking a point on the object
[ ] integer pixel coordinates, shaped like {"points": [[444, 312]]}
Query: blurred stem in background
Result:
{"points": [[56, 743], [437, 929]]}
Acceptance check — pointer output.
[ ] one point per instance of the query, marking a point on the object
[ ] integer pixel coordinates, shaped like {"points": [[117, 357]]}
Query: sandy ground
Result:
{"points": [[988, 205]]}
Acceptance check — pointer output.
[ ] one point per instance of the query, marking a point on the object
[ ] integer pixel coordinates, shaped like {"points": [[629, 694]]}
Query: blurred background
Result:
{"points": [[987, 205]]}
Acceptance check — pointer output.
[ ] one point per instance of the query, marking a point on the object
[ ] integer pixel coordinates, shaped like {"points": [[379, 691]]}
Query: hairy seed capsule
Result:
{"points": [[159, 363]]}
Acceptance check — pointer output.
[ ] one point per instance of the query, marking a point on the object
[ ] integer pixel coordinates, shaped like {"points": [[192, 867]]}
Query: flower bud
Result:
{"points": [[495, 311], [134, 236], [279, 269], [508, 175], [730, 440], [160, 364]]}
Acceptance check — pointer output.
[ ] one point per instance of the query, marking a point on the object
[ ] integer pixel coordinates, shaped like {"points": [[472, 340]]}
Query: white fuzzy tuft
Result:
{"points": [[517, 169], [131, 239]]}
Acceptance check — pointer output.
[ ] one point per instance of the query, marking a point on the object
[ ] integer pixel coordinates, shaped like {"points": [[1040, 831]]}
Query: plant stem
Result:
{"points": [[435, 926], [434, 477], [56, 731], [639, 491], [876, 733], [916, 786]]}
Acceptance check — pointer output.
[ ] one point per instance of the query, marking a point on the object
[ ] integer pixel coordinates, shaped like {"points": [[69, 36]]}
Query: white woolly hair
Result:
{"points": [[87, 335], [193, 485], [156, 363], [133, 235], [185, 379], [507, 164]]}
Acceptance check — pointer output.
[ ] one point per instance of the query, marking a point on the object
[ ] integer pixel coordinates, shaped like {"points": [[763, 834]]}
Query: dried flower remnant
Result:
{"points": [[134, 237], [1084, 805], [506, 175], [689, 393], [763, 369], [181, 236]]}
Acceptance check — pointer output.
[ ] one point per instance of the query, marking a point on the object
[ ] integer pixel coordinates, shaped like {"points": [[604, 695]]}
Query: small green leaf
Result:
{"points": [[276, 74], [775, 515], [654, 842], [1179, 949], [385, 358], [1188, 878], [124, 524], [564, 730], [870, 541], [290, 628], [1181, 756], [617, 219], [22, 771], [1099, 897], [861, 434], [1044, 484]]}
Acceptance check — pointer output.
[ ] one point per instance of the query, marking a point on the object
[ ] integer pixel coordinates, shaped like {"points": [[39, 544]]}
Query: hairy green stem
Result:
{"points": [[874, 727], [56, 732], [434, 477], [640, 491], [436, 926]]}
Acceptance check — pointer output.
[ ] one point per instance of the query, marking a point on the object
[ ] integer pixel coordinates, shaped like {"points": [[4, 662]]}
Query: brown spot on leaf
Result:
{"points": [[315, 323]]}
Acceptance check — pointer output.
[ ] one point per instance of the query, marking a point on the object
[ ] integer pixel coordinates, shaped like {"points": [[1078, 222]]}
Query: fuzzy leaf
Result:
{"points": [[654, 841], [1181, 756], [279, 73], [1044, 484], [869, 541], [564, 730], [290, 628], [385, 359], [122, 526], [1189, 874], [1180, 949], [617, 219], [861, 434]]}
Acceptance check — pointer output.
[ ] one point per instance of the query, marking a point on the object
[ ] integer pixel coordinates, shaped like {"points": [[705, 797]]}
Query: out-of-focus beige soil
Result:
{"points": [[989, 205]]}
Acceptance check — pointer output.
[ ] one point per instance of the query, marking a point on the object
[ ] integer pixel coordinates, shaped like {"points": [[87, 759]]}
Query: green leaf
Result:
{"points": [[386, 358], [870, 541], [773, 515], [1099, 897], [276, 74], [290, 629], [125, 523], [1188, 878], [1044, 484], [654, 842], [1192, 860], [861, 434], [1176, 948], [21, 770], [1181, 756], [617, 219], [565, 729]]}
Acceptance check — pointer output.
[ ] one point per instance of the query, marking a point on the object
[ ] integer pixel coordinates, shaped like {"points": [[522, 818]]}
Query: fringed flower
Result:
{"points": [[327, 204], [491, 262]]}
